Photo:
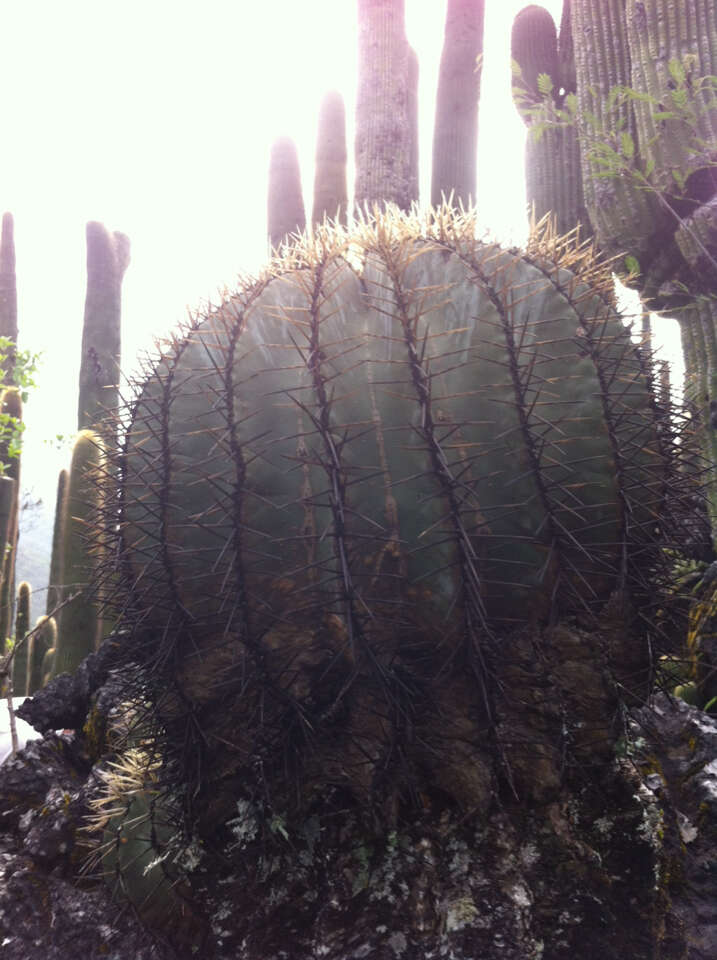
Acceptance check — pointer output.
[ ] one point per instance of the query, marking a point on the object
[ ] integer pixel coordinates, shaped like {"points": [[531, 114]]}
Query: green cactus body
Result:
{"points": [[453, 428], [10, 404], [43, 638], [53, 590], [663, 37], [285, 208], [78, 621], [330, 194], [107, 260], [47, 664], [20, 664]]}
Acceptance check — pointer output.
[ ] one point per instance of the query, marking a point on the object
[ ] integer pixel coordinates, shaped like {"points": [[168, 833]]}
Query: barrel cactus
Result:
{"points": [[354, 495]]}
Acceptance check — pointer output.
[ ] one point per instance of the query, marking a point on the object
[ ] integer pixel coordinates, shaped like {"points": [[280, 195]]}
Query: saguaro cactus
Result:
{"points": [[455, 134], [285, 211], [107, 260], [552, 158], [385, 142], [648, 164], [330, 192], [8, 291]]}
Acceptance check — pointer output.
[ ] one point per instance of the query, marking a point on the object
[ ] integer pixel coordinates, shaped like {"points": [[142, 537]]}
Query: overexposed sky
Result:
{"points": [[156, 117]]}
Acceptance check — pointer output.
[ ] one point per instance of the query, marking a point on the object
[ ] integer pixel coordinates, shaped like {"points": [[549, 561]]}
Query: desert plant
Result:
{"points": [[544, 94], [78, 622], [43, 638], [396, 448], [20, 665], [107, 260], [455, 133]]}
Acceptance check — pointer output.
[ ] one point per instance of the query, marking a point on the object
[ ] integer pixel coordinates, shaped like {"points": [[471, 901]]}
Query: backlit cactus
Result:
{"points": [[330, 193], [386, 115], [285, 209], [552, 153], [107, 260], [399, 446], [455, 133]]}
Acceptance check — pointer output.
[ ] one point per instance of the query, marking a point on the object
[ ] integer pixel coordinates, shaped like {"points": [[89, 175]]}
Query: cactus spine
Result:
{"points": [[43, 638], [20, 664], [107, 260], [285, 210], [78, 623], [455, 134]]}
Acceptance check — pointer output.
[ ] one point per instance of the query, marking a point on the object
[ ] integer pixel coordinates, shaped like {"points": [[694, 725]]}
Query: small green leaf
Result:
{"points": [[571, 104], [628, 145], [677, 71], [515, 68], [678, 177], [545, 84], [632, 265], [649, 166]]}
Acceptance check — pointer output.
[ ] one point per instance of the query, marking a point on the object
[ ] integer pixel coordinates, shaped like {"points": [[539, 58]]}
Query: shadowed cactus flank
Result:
{"points": [[356, 495]]}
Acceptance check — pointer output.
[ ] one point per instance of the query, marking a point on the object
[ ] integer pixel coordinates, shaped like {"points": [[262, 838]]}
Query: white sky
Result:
{"points": [[156, 117]]}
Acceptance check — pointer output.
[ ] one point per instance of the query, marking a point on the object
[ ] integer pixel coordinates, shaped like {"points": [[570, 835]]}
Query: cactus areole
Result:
{"points": [[393, 428]]}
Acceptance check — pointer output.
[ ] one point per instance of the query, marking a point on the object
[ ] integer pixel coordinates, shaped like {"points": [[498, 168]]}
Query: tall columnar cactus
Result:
{"points": [[385, 141], [552, 160], [43, 638], [455, 133], [53, 588], [330, 192], [107, 260], [10, 405], [285, 210], [21, 662], [349, 481], [8, 290], [648, 163], [78, 623]]}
